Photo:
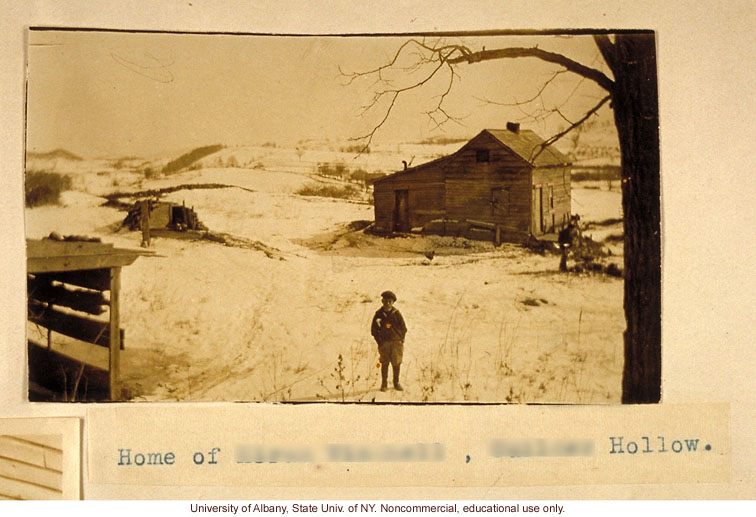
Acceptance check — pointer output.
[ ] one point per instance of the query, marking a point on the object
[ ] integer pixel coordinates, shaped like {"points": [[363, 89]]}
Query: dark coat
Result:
{"points": [[388, 326]]}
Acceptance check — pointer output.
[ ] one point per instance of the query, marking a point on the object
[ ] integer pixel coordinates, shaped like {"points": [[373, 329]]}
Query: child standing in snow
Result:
{"points": [[388, 330]]}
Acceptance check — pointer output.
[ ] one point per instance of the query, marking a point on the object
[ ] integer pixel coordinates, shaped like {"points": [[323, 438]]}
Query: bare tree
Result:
{"points": [[632, 94]]}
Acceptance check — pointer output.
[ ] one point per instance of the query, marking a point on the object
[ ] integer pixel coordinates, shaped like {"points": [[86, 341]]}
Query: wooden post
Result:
{"points": [[497, 240], [115, 336], [145, 223]]}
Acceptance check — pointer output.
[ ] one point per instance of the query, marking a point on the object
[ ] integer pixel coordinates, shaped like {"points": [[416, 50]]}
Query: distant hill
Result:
{"points": [[54, 155], [442, 140]]}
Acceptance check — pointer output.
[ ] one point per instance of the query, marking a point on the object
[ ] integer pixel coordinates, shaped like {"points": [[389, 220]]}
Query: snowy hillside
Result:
{"points": [[206, 321]]}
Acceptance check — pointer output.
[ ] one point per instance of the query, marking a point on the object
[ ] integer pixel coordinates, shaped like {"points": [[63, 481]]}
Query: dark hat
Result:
{"points": [[389, 295]]}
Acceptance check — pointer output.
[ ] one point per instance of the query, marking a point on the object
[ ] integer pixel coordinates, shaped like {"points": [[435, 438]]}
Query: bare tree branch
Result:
{"points": [[448, 55], [439, 55], [552, 57], [534, 97], [607, 49], [562, 133]]}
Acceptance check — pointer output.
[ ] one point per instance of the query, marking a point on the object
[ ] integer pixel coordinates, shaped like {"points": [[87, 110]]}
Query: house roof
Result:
{"points": [[526, 144]]}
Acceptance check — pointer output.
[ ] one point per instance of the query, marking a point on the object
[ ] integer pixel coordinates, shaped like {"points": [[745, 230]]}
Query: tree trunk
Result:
{"points": [[636, 113]]}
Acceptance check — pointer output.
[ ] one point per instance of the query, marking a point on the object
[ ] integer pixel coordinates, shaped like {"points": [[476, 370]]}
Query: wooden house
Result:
{"points": [[503, 185]]}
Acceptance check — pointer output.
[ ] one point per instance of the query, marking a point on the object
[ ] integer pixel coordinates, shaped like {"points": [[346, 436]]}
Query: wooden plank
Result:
{"points": [[50, 248], [484, 224], [71, 325], [56, 372], [96, 279], [14, 448], [115, 343], [80, 262], [92, 302], [24, 472], [51, 441], [14, 489], [480, 234]]}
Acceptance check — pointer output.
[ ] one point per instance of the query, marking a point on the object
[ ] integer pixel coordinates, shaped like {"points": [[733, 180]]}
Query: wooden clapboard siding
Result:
{"points": [[426, 204], [384, 208], [425, 187], [40, 289], [425, 200], [15, 489], [470, 184], [20, 471], [78, 327], [51, 441], [56, 372], [16, 448]]}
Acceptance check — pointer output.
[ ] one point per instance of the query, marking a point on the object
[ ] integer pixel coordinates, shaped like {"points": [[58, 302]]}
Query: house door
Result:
{"points": [[401, 211], [499, 203], [538, 209], [549, 215]]}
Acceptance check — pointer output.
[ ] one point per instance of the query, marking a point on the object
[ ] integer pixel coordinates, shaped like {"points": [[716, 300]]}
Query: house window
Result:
{"points": [[482, 155]]}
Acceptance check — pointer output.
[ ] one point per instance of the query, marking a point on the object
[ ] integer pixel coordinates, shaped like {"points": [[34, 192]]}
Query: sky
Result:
{"points": [[117, 94]]}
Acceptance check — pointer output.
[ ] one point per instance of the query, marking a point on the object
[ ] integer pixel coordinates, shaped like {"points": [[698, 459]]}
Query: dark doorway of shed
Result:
{"points": [[401, 211]]}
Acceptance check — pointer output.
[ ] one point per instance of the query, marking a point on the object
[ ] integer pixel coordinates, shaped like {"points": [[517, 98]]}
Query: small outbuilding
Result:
{"points": [[66, 284], [162, 215], [503, 185]]}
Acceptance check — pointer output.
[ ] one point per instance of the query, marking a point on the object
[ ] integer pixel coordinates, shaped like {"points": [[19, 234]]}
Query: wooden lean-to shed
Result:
{"points": [[66, 286], [503, 185]]}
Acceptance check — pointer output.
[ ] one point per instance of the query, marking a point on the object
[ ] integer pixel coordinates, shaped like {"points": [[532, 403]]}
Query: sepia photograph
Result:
{"points": [[422, 218]]}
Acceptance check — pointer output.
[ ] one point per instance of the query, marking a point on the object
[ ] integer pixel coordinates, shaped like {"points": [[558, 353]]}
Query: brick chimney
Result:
{"points": [[514, 127]]}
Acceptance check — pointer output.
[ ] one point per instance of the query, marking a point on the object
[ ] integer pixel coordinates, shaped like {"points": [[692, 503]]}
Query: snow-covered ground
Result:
{"points": [[209, 322]]}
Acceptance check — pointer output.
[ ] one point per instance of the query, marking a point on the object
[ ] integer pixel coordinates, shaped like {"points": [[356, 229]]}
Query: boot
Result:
{"points": [[384, 377], [397, 386]]}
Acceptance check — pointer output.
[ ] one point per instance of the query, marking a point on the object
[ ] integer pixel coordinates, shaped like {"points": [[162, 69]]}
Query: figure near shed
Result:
{"points": [[388, 330], [567, 237]]}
